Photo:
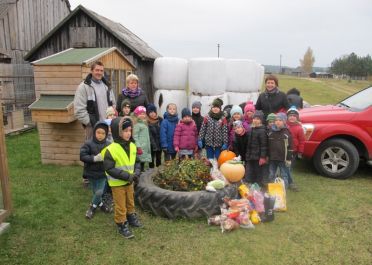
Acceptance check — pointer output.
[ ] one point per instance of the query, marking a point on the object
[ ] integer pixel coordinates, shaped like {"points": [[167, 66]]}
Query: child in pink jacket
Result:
{"points": [[185, 140]]}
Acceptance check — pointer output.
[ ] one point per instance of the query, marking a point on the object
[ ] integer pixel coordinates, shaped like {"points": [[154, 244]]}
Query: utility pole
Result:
{"points": [[280, 65], [218, 50]]}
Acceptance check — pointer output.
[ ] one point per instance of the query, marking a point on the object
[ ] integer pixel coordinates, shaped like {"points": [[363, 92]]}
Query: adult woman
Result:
{"points": [[272, 100], [133, 93]]}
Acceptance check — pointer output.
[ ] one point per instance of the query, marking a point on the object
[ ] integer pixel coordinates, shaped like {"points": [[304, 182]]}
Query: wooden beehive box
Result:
{"points": [[56, 80]]}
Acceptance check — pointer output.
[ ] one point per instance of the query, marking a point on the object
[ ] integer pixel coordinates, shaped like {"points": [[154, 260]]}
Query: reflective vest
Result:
{"points": [[121, 161]]}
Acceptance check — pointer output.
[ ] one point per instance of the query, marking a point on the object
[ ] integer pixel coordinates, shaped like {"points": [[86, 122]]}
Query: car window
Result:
{"points": [[359, 101]]}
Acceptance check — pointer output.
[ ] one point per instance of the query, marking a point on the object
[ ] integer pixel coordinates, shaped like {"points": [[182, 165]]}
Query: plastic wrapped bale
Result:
{"points": [[261, 74], [170, 73], [242, 76], [163, 97], [236, 98], [207, 76], [206, 101]]}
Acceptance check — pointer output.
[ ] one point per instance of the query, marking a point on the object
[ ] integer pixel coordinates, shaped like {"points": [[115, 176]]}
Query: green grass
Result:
{"points": [[322, 91], [327, 222]]}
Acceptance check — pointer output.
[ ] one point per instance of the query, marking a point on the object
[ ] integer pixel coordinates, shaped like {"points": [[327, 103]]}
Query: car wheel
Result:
{"points": [[336, 158], [173, 204]]}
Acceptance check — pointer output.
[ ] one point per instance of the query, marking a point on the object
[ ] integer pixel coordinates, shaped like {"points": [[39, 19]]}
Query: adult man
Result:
{"points": [[92, 98]]}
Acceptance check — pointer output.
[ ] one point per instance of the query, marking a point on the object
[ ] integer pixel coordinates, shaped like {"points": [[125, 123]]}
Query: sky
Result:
{"points": [[268, 31]]}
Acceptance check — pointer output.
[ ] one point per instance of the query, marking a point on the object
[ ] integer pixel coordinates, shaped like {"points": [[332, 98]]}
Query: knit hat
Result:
{"points": [[185, 112], [293, 111], [281, 116], [217, 102], [271, 117], [110, 111], [237, 124], [150, 108], [259, 114], [140, 109], [236, 109], [249, 107], [196, 104], [126, 123], [125, 103]]}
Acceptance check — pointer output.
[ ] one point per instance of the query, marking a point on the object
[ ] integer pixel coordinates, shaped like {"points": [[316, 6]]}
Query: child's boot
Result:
{"points": [[90, 212], [133, 220], [104, 208], [124, 230]]}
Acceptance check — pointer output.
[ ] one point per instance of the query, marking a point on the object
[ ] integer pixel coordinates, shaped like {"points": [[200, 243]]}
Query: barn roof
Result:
{"points": [[128, 38]]}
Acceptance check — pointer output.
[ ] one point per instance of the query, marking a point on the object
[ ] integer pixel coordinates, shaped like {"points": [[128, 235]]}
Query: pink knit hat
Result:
{"points": [[140, 109], [249, 107]]}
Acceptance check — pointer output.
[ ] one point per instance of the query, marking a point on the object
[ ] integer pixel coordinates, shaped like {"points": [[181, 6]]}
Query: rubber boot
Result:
{"points": [[90, 212], [123, 229], [133, 220]]}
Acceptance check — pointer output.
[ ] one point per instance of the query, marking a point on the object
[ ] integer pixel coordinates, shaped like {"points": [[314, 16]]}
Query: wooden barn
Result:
{"points": [[85, 28], [56, 80], [23, 23]]}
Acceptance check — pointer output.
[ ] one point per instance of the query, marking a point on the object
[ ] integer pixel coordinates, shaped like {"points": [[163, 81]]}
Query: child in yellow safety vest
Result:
{"points": [[122, 166]]}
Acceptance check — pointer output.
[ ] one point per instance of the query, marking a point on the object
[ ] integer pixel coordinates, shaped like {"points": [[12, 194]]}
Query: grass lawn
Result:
{"points": [[327, 222]]}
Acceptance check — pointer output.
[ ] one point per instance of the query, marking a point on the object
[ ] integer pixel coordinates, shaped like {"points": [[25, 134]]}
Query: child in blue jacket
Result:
{"points": [[167, 129]]}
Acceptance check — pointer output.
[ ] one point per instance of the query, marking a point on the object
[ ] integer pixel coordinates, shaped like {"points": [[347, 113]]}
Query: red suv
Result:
{"points": [[339, 137]]}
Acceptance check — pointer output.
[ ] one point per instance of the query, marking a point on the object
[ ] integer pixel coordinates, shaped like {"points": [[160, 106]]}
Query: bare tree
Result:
{"points": [[308, 61]]}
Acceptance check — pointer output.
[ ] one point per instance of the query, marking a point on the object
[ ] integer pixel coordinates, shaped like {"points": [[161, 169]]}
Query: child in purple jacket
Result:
{"points": [[186, 136]]}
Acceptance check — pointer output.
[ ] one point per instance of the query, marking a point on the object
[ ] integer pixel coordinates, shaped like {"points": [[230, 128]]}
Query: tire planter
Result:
{"points": [[172, 204]]}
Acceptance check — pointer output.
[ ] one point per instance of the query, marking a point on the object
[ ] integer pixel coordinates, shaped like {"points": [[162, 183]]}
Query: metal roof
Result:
{"points": [[52, 102]]}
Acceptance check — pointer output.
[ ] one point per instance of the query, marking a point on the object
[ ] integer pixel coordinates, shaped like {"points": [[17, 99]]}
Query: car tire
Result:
{"points": [[336, 158], [173, 204]]}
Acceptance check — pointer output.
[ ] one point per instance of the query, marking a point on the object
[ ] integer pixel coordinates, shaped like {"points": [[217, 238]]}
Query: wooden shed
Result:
{"points": [[56, 80], [83, 28]]}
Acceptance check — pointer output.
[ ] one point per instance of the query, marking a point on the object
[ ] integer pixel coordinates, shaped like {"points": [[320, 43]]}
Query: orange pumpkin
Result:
{"points": [[233, 171], [225, 155]]}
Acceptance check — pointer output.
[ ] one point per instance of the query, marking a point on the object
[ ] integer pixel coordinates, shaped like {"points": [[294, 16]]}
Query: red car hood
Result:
{"points": [[325, 113]]}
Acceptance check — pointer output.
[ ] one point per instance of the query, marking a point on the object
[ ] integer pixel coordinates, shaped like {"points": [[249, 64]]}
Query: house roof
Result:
{"points": [[78, 56], [52, 102], [128, 38]]}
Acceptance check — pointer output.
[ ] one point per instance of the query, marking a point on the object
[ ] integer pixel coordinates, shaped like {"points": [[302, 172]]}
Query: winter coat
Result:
{"points": [[85, 104], [213, 132], [141, 137], [280, 144], [90, 149], [298, 136], [186, 136], [240, 145], [140, 100], [257, 145], [154, 131], [230, 127], [272, 102], [295, 100], [167, 129], [198, 119], [109, 162]]}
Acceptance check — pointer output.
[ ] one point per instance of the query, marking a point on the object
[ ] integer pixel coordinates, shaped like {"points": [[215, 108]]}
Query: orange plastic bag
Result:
{"points": [[277, 190]]}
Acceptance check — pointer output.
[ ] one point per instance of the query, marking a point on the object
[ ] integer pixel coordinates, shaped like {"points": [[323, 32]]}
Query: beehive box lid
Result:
{"points": [[53, 102]]}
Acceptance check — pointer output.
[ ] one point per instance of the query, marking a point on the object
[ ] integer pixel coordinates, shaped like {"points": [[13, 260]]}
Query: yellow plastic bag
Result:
{"points": [[277, 190]]}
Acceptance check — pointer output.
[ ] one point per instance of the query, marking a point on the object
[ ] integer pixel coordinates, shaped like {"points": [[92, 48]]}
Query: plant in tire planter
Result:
{"points": [[232, 170]]}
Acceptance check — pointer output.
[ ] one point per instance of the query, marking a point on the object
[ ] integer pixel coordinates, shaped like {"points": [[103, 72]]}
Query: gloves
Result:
{"points": [[288, 163], [130, 178], [177, 149], [200, 144], [224, 147], [262, 161], [139, 151], [98, 158], [299, 156]]}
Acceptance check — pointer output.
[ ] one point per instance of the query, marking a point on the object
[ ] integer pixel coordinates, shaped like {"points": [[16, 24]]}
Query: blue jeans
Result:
{"points": [[98, 187], [213, 152], [283, 171]]}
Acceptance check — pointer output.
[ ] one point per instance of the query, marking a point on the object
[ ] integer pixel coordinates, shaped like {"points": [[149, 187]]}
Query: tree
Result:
{"points": [[352, 65], [308, 61]]}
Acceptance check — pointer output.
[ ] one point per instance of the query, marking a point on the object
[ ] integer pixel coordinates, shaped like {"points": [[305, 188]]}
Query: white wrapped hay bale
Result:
{"points": [[206, 101], [207, 76], [236, 98], [170, 73], [163, 97], [242, 75], [261, 74]]}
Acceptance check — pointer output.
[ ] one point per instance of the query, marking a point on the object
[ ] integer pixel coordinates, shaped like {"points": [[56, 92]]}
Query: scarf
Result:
{"points": [[215, 116], [275, 90], [131, 93], [153, 121]]}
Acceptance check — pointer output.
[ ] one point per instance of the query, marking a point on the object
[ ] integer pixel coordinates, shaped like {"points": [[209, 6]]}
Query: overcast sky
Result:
{"points": [[261, 29]]}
